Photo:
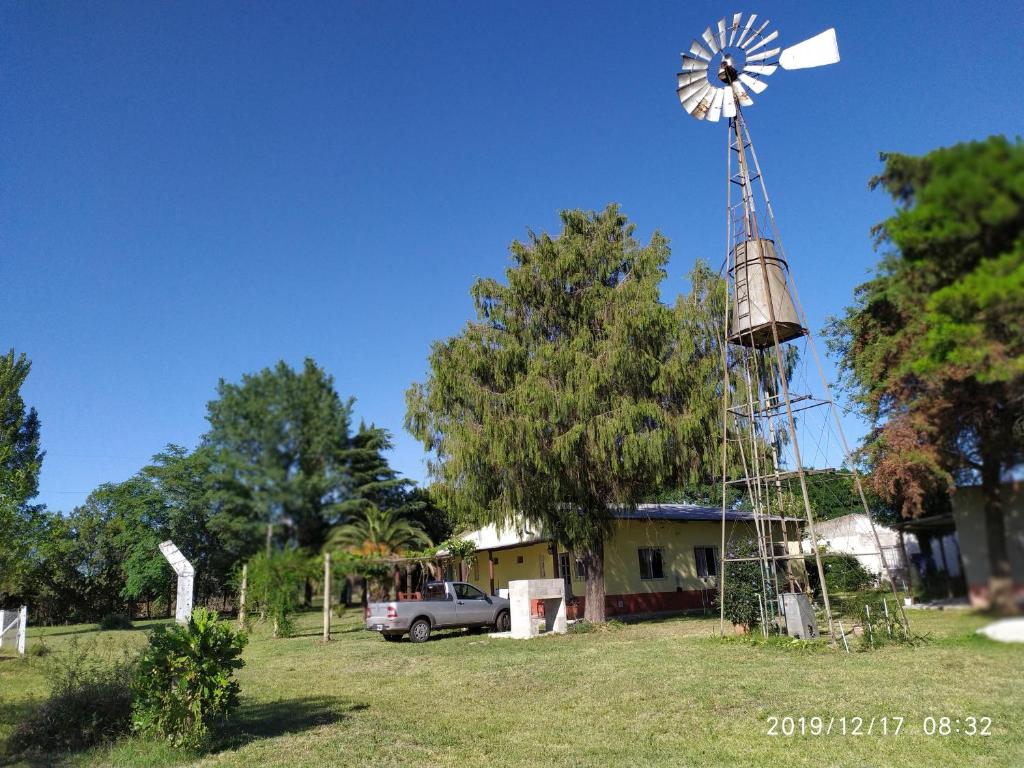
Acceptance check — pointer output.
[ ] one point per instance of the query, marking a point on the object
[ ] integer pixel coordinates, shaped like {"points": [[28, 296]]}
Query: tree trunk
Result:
{"points": [[593, 569], [1000, 581]]}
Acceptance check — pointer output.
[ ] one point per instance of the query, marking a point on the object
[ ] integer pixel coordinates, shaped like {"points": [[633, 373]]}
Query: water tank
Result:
{"points": [[751, 321]]}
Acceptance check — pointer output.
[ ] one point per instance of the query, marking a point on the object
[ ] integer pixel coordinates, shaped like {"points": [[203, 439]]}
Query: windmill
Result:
{"points": [[731, 61]]}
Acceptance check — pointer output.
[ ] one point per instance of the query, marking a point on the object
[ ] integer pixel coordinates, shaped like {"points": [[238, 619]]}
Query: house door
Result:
{"points": [[565, 572]]}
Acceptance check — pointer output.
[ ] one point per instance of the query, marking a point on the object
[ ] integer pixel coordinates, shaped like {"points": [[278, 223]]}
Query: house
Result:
{"points": [[851, 534], [658, 558]]}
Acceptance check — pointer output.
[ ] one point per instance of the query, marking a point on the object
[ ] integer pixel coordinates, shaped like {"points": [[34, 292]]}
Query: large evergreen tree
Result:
{"points": [[20, 462], [284, 436], [574, 389], [933, 348], [373, 482]]}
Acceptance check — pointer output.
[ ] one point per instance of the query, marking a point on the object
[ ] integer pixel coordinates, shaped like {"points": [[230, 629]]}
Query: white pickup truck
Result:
{"points": [[445, 605]]}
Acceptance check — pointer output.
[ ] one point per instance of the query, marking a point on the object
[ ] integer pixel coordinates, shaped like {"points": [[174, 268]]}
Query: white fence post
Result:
{"points": [[186, 575], [3, 627], [22, 629]]}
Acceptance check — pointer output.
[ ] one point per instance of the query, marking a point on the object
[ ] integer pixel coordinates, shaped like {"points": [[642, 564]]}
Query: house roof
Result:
{"points": [[491, 537], [682, 512]]}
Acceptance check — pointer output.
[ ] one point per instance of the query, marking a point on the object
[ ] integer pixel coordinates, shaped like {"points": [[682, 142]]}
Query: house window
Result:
{"points": [[650, 563], [476, 569], [519, 558], [565, 561], [563, 565], [543, 573], [707, 562]]}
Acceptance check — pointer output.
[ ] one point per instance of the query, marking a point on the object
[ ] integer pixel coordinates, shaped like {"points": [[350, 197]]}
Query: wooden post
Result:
{"points": [[490, 569], [242, 595], [327, 597]]}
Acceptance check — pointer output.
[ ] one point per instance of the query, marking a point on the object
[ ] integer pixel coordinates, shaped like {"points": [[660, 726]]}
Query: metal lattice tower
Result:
{"points": [[763, 317]]}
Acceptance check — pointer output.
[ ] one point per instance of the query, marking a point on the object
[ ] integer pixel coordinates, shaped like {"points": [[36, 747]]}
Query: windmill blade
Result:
{"points": [[762, 55], [690, 64], [700, 51], [746, 30], [709, 38], [716, 105], [754, 34], [704, 105], [691, 89], [686, 78], [690, 104], [742, 97], [760, 69], [734, 27], [721, 32], [728, 103], [755, 85], [764, 41], [814, 52]]}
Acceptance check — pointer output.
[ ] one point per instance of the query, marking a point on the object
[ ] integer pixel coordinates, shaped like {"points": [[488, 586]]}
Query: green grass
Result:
{"points": [[655, 693]]}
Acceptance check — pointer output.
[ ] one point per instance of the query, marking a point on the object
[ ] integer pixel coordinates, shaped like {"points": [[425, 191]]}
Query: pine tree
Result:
{"points": [[573, 390], [933, 349], [20, 462]]}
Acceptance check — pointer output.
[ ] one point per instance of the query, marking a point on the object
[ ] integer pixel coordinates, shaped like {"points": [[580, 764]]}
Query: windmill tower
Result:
{"points": [[764, 320]]}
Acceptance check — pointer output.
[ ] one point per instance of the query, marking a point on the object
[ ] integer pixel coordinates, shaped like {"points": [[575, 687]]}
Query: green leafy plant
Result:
{"points": [[743, 586], [115, 621], [276, 582], [39, 649], [90, 701], [184, 683], [843, 572]]}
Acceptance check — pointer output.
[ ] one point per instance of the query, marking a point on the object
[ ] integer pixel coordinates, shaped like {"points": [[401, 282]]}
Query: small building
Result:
{"points": [[851, 534], [658, 558]]}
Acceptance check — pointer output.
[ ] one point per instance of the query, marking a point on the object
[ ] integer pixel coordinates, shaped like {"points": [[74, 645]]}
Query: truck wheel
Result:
{"points": [[504, 623], [419, 632]]}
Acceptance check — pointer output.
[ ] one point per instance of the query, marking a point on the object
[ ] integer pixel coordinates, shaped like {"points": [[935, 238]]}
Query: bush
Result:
{"points": [[276, 583], [582, 627], [115, 621], [843, 572], [38, 650], [742, 585], [184, 683], [90, 702]]}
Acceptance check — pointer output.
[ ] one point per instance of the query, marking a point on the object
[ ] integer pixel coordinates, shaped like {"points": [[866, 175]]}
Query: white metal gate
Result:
{"points": [[16, 623]]}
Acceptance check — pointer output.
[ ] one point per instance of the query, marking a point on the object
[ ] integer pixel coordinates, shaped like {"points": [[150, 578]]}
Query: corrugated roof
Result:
{"points": [[491, 537], [681, 512]]}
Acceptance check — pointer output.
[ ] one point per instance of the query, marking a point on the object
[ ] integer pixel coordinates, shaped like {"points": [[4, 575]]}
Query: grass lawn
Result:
{"points": [[654, 693]]}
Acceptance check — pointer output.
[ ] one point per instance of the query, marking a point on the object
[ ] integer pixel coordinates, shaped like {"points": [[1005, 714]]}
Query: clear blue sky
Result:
{"points": [[196, 190]]}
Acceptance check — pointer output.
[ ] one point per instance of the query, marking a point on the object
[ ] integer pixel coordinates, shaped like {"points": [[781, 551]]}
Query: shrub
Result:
{"points": [[742, 585], [276, 583], [90, 702], [582, 627], [843, 572], [38, 650], [184, 683], [115, 621]]}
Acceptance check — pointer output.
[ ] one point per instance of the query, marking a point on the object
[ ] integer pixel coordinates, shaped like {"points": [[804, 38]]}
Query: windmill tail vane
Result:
{"points": [[732, 59]]}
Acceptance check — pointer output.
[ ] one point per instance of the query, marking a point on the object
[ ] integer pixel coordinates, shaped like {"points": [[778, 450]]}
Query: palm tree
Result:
{"points": [[380, 533]]}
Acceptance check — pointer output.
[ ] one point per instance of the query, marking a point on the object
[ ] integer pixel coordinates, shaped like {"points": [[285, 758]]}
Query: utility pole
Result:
{"points": [[327, 597]]}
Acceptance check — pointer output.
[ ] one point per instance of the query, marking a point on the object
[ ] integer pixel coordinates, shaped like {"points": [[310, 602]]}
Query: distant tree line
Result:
{"points": [[281, 467]]}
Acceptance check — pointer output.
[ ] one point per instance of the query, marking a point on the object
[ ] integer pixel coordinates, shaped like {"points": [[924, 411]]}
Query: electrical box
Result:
{"points": [[796, 610]]}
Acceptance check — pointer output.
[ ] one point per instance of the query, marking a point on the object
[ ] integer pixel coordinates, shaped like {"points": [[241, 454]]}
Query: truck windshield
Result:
{"points": [[435, 591]]}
